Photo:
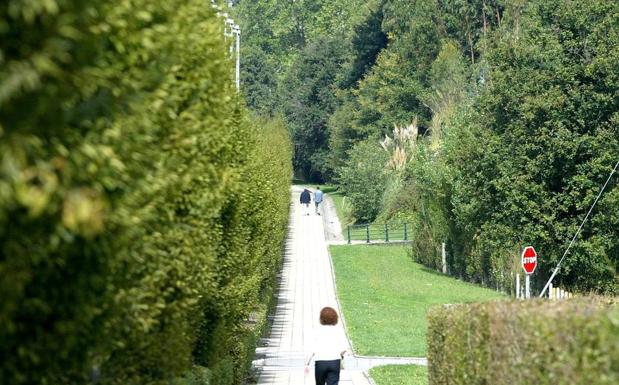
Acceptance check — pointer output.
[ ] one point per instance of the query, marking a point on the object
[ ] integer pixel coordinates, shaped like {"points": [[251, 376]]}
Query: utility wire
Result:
{"points": [[578, 232]]}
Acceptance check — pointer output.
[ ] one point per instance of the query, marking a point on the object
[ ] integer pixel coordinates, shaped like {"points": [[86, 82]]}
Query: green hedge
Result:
{"points": [[142, 212], [534, 342]]}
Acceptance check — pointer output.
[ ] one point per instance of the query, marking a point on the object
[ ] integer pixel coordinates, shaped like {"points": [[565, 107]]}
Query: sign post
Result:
{"points": [[529, 263], [527, 286]]}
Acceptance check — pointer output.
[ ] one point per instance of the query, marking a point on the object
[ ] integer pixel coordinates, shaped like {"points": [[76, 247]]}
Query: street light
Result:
{"points": [[237, 32], [231, 29]]}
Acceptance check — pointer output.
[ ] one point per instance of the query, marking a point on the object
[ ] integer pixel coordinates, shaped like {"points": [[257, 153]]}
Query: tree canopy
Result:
{"points": [[515, 107]]}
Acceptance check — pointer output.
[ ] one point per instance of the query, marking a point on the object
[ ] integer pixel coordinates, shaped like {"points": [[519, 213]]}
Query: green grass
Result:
{"points": [[328, 188], [385, 297], [400, 375]]}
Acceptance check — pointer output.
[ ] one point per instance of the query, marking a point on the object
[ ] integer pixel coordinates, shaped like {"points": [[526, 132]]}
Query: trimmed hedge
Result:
{"points": [[142, 212], [534, 342]]}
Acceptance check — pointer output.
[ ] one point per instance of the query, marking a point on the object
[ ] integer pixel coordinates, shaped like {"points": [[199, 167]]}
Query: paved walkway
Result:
{"points": [[306, 286]]}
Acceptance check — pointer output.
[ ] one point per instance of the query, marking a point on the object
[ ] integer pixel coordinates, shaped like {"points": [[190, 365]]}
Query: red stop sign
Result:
{"points": [[529, 259]]}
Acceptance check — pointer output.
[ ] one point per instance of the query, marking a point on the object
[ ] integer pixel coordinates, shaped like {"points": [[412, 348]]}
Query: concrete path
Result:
{"points": [[305, 286]]}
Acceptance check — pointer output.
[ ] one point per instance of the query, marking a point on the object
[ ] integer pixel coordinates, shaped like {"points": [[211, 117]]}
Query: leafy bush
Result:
{"points": [[419, 196], [535, 342], [142, 212], [363, 180]]}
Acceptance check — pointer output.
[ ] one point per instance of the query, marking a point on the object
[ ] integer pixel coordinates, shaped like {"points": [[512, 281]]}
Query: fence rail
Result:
{"points": [[378, 232]]}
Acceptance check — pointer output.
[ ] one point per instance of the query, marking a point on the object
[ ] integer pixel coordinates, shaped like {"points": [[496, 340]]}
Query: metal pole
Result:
{"points": [[238, 57], [527, 286], [349, 234], [232, 29], [386, 233], [405, 232], [367, 233], [444, 258], [554, 273]]}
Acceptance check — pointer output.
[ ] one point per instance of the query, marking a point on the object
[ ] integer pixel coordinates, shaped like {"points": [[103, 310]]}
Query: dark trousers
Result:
{"points": [[327, 372]]}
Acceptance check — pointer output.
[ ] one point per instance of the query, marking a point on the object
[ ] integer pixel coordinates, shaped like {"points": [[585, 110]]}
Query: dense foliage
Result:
{"points": [[546, 139], [307, 88], [142, 211], [297, 53], [365, 177], [567, 342], [514, 106]]}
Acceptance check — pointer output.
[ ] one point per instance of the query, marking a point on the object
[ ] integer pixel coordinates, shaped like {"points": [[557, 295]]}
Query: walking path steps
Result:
{"points": [[306, 286]]}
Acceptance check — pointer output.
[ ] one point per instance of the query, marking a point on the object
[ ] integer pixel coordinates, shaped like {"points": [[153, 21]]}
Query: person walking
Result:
{"points": [[318, 195], [305, 200], [328, 349]]}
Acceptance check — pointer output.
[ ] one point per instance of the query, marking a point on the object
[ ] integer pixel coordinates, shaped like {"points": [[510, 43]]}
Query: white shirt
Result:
{"points": [[329, 341], [318, 196]]}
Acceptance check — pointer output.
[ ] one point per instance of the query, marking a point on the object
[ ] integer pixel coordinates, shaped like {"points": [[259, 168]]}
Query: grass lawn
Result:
{"points": [[400, 375], [385, 296], [328, 188]]}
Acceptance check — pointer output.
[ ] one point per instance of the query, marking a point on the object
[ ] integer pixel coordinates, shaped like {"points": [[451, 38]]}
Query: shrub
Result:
{"points": [[534, 342], [135, 241], [425, 189], [363, 179]]}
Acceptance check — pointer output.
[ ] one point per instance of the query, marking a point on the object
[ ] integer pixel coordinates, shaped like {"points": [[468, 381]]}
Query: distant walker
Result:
{"points": [[305, 200], [318, 195]]}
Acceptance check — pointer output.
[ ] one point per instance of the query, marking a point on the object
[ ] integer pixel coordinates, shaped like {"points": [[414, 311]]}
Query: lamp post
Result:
{"points": [[231, 29], [237, 32]]}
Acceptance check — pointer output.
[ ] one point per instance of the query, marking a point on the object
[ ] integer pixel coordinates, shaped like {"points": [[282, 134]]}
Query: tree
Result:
{"points": [[258, 81], [547, 126], [391, 93], [368, 39], [307, 99], [363, 179]]}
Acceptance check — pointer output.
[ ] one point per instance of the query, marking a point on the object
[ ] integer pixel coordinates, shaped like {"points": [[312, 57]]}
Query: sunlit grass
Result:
{"points": [[400, 375], [385, 297]]}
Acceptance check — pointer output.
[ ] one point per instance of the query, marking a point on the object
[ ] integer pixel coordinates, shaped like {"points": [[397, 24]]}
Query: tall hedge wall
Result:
{"points": [[534, 342], [142, 212]]}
